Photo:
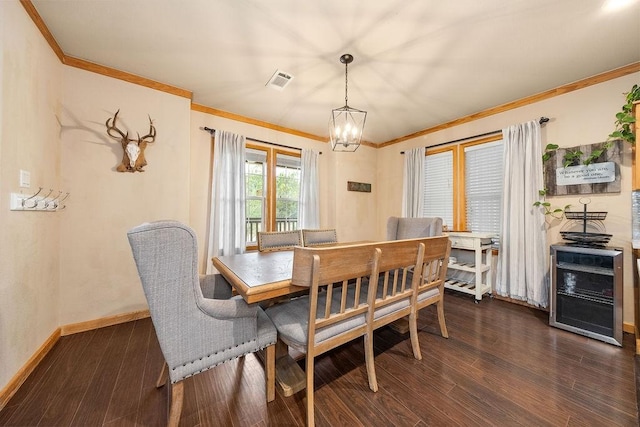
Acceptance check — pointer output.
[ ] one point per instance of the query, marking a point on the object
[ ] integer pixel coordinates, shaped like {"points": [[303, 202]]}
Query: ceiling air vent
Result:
{"points": [[279, 80]]}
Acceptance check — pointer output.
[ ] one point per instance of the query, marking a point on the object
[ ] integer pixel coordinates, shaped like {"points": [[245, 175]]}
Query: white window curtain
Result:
{"points": [[308, 206], [227, 221], [412, 183], [522, 259]]}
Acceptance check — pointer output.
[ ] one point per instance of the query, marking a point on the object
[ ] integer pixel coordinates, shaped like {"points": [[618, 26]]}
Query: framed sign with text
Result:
{"points": [[601, 176], [363, 187]]}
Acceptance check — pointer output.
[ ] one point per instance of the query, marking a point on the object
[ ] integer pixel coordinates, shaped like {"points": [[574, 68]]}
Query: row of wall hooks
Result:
{"points": [[52, 201]]}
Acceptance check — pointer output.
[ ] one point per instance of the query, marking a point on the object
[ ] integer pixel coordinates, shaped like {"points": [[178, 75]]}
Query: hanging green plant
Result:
{"points": [[572, 158], [625, 118], [595, 154], [548, 151], [546, 206], [624, 124]]}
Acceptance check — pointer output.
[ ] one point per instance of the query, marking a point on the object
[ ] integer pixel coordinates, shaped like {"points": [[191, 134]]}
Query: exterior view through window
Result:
{"points": [[272, 191], [256, 191], [287, 192]]}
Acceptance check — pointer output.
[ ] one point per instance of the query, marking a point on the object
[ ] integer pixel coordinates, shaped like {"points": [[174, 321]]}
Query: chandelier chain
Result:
{"points": [[346, 84]]}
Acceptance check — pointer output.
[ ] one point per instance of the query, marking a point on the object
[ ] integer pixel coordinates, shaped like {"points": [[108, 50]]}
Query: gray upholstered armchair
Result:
{"points": [[411, 228], [195, 331]]}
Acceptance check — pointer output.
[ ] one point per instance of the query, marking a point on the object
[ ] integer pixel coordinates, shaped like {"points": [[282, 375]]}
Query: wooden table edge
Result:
{"points": [[262, 292]]}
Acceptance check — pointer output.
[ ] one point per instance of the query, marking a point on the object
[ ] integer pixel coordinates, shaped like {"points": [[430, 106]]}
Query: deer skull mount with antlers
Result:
{"points": [[133, 149]]}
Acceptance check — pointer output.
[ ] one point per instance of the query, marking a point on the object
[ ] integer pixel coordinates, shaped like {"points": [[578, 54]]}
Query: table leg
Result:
{"points": [[400, 326], [289, 375]]}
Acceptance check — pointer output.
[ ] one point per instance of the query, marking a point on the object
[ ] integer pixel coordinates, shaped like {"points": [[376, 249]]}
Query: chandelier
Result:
{"points": [[346, 123]]}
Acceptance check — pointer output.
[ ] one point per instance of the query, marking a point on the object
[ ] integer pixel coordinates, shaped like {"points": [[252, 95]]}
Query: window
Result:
{"points": [[463, 185], [255, 192], [438, 188], [287, 192], [483, 186], [272, 191]]}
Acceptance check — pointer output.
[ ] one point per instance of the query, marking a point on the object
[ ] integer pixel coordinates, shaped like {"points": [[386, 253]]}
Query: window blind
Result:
{"points": [[484, 175], [438, 188]]}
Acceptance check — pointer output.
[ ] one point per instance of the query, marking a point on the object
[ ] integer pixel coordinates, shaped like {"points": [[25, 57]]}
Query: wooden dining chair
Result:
{"points": [[400, 292], [198, 324], [312, 238], [431, 283], [335, 277], [396, 283], [269, 241]]}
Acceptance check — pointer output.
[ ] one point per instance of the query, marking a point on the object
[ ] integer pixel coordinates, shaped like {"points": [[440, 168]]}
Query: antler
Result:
{"points": [[124, 138], [151, 134]]}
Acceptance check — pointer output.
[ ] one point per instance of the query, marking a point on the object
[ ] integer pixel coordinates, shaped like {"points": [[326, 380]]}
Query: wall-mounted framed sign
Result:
{"points": [[601, 176], [359, 186]]}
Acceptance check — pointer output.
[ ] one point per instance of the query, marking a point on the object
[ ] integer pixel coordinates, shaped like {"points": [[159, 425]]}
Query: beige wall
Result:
{"points": [[31, 82], [97, 274], [581, 117], [356, 213]]}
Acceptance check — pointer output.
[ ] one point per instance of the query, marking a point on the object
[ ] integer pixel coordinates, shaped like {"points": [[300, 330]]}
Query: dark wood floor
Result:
{"points": [[502, 365]]}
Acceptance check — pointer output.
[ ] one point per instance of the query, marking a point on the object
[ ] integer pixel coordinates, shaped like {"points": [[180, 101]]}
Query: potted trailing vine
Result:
{"points": [[625, 118], [556, 213], [624, 125]]}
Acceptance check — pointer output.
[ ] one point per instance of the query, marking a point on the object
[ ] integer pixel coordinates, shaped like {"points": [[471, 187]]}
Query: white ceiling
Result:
{"points": [[418, 63]]}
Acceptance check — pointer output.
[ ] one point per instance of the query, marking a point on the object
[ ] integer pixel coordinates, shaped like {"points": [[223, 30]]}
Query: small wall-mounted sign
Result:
{"points": [[595, 173], [595, 178], [359, 186]]}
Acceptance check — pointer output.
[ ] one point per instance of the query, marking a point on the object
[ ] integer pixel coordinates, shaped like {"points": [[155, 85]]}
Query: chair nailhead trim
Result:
{"points": [[219, 363]]}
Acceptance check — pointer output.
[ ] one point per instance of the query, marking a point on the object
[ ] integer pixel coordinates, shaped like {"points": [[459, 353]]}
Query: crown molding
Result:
{"points": [[249, 120]]}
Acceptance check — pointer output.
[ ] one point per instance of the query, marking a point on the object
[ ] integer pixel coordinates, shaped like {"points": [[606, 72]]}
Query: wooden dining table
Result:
{"points": [[262, 277]]}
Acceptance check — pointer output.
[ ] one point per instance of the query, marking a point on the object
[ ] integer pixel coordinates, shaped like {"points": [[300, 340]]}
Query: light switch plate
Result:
{"points": [[25, 179]]}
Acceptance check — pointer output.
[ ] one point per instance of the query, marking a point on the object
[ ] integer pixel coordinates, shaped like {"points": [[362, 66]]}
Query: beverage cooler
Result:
{"points": [[586, 291]]}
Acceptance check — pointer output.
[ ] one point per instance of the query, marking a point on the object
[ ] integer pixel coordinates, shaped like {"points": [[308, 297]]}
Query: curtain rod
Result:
{"points": [[212, 131], [542, 121]]}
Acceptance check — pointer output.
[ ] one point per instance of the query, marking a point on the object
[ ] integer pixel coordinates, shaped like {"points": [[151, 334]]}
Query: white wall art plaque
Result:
{"points": [[602, 176], [586, 174]]}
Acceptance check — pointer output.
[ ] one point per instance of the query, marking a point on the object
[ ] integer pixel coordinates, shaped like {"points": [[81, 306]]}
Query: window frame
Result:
{"points": [[270, 196], [459, 185], [274, 212]]}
